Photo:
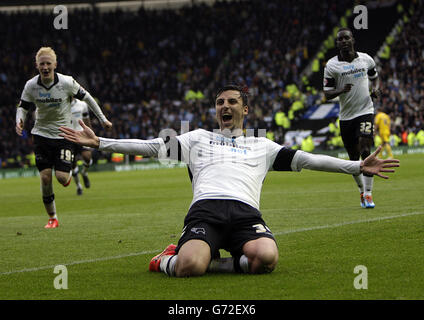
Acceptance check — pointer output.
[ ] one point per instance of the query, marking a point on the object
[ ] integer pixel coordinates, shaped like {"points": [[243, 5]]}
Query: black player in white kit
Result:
{"points": [[227, 170], [347, 76], [50, 94]]}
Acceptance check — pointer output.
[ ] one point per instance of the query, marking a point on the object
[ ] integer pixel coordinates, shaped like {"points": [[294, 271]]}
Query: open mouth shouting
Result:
{"points": [[227, 119]]}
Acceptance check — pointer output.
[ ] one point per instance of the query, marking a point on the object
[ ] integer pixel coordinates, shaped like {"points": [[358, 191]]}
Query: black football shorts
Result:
{"points": [[53, 153], [351, 130], [223, 224], [78, 150]]}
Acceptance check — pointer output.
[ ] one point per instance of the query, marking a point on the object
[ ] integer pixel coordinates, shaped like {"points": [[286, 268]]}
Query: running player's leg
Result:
{"points": [[63, 177], [75, 169], [75, 172], [354, 155], [350, 133], [388, 148], [365, 149], [44, 163], [46, 187], [48, 198], [63, 160], [365, 144], [366, 141], [386, 145], [87, 162]]}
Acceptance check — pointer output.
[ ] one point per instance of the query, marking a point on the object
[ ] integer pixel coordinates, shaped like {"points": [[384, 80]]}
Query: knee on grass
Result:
{"points": [[262, 255], [263, 261], [190, 266]]}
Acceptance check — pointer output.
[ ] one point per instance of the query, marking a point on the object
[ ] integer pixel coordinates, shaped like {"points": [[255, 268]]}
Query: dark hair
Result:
{"points": [[345, 29], [244, 92]]}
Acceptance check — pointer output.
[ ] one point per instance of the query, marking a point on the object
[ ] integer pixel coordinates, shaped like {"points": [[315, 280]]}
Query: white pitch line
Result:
{"points": [[82, 261], [156, 251], [328, 226]]}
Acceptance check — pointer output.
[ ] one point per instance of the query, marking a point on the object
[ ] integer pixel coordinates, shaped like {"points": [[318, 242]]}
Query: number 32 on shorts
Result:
{"points": [[366, 127]]}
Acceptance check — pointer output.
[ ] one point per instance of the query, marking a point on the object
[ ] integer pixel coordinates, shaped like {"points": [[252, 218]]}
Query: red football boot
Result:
{"points": [[154, 264], [53, 223]]}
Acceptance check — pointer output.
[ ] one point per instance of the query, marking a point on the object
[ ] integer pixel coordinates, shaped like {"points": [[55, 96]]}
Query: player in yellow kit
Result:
{"points": [[382, 125]]}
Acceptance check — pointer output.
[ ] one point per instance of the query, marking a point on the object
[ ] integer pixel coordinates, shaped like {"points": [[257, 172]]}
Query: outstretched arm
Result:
{"points": [[86, 137], [375, 166], [371, 165]]}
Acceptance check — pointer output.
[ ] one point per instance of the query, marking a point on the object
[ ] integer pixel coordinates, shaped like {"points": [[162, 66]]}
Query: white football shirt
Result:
{"points": [[227, 168], [337, 73], [53, 103], [79, 111]]}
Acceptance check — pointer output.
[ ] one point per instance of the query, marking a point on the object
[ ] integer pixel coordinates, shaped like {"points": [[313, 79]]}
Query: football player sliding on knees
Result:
{"points": [[224, 213], [371, 165]]}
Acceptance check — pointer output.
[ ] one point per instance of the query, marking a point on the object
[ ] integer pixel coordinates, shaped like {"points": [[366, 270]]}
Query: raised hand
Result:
{"points": [[86, 137], [374, 166]]}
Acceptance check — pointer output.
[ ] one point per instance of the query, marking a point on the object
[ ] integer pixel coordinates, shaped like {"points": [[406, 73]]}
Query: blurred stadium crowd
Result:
{"points": [[402, 78], [150, 70]]}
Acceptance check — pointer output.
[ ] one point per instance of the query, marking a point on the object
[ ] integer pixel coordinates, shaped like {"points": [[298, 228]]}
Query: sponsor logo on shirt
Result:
{"points": [[46, 98], [357, 72], [229, 142]]}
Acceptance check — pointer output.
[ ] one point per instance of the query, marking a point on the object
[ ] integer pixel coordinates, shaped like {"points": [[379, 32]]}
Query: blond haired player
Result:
{"points": [[50, 94], [382, 125]]}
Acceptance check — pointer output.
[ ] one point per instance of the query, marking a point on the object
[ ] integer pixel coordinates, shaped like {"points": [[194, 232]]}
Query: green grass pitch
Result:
{"points": [[107, 237]]}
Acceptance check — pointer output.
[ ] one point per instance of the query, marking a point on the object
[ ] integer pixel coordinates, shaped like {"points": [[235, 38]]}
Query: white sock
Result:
{"points": [[167, 265], [368, 184], [244, 264], [359, 182]]}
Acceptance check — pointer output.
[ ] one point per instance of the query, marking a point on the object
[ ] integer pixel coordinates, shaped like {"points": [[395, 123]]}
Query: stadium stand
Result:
{"points": [[402, 73], [152, 69]]}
